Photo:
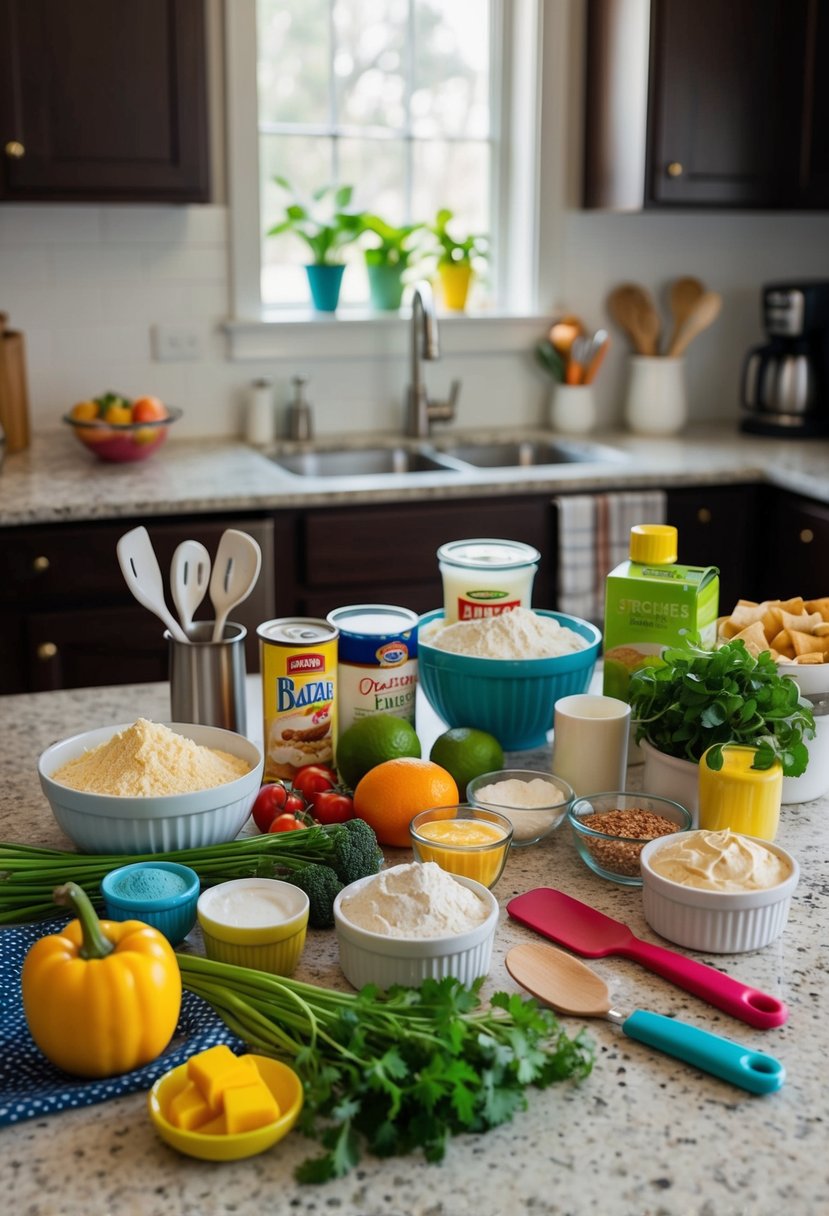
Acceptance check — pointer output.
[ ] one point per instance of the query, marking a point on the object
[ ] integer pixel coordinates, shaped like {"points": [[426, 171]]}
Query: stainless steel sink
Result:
{"points": [[364, 462], [531, 452]]}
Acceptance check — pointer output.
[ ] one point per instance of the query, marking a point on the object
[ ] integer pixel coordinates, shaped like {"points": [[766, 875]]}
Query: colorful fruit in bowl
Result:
{"points": [[120, 430]]}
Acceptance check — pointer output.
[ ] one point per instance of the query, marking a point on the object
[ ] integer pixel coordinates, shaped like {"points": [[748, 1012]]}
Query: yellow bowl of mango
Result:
{"points": [[215, 1145]]}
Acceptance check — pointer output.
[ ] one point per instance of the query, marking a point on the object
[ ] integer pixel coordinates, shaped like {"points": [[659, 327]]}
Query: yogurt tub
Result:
{"points": [[485, 577], [254, 922], [730, 912]]}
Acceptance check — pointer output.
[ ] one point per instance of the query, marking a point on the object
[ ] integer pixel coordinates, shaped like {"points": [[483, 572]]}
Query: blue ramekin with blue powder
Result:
{"points": [[163, 894]]}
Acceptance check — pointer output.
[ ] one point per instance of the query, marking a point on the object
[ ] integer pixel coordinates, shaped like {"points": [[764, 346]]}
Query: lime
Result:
{"points": [[369, 741], [466, 753]]}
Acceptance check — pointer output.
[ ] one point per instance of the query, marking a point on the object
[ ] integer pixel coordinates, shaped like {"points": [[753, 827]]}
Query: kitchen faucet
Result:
{"points": [[420, 411]]}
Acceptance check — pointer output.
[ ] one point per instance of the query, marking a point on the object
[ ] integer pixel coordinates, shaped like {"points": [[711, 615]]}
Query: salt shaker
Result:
{"points": [[259, 414]]}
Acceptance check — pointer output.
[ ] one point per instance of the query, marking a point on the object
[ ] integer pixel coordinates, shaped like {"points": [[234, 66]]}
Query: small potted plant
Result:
{"points": [[326, 227], [458, 259], [697, 700], [387, 262]]}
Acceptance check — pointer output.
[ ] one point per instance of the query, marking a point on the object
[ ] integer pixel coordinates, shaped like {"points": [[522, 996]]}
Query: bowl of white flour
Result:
{"points": [[503, 674], [414, 922]]}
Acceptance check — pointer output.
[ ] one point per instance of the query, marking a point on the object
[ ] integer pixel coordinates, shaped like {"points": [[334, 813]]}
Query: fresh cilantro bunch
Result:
{"points": [[398, 1071], [700, 699]]}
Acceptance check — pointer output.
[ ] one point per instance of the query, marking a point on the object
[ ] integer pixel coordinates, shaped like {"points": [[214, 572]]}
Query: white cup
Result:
{"points": [[656, 401], [590, 742], [573, 409]]}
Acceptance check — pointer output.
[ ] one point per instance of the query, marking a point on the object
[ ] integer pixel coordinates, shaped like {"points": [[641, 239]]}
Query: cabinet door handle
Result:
{"points": [[807, 536], [674, 169], [704, 515], [46, 651], [40, 563], [15, 150]]}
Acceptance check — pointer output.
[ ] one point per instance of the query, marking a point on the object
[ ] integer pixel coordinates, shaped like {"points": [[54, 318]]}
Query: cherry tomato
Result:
{"points": [[285, 823], [314, 777], [271, 801], [330, 806]]}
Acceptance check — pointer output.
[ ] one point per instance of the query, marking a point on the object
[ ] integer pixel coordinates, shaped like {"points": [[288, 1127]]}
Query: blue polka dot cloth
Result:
{"points": [[31, 1087]]}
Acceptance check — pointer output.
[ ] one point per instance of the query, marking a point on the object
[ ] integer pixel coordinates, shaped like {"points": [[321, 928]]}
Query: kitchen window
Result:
{"points": [[303, 101]]}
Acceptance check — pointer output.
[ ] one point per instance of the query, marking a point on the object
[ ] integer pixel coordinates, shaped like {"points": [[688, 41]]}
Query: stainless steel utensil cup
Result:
{"points": [[207, 679]]}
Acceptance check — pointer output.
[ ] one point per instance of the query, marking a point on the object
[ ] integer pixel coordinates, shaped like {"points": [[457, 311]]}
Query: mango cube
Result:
{"points": [[249, 1106], [218, 1069], [188, 1109]]}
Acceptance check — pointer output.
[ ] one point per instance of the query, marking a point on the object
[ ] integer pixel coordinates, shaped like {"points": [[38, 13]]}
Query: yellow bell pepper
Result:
{"points": [[101, 997]]}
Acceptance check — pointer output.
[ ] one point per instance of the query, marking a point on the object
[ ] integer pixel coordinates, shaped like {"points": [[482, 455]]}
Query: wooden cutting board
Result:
{"points": [[14, 397]]}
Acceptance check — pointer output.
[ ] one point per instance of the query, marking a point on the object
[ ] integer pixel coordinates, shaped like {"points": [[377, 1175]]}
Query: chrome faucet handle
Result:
{"points": [[444, 411]]}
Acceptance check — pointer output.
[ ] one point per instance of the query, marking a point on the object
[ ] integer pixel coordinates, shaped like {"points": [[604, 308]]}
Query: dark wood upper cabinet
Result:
{"points": [[103, 101], [700, 103]]}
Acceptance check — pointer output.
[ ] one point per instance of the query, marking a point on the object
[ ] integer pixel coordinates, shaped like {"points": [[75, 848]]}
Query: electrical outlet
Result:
{"points": [[175, 344]]}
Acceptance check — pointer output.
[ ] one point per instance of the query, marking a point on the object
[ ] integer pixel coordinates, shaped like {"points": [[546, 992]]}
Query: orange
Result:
{"points": [[148, 409], [390, 795], [84, 411]]}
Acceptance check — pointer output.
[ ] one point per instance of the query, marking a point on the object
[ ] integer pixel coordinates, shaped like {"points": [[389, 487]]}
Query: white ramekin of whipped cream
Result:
{"points": [[414, 922], [719, 892]]}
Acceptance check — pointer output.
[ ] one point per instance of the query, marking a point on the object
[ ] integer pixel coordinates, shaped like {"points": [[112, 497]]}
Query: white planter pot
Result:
{"points": [[814, 783], [671, 777]]}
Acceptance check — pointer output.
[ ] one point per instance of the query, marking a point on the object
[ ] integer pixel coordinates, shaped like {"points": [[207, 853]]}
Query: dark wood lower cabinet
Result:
{"points": [[720, 526], [794, 547]]}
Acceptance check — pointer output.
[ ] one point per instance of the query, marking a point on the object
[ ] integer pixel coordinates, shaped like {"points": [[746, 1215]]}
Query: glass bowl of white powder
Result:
{"points": [[535, 803], [414, 922], [503, 674]]}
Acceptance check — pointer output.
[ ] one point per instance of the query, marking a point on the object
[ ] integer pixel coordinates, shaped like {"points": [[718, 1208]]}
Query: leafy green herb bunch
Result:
{"points": [[700, 699]]}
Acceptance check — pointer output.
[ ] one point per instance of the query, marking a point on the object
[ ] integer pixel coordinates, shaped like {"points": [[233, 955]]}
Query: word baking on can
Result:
{"points": [[377, 670], [485, 577], [299, 694]]}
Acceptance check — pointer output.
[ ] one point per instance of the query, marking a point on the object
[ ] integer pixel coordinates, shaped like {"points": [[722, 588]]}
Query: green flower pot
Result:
{"points": [[386, 287]]}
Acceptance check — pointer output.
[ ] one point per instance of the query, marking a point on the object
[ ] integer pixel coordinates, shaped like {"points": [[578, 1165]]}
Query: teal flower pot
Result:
{"points": [[386, 287], [324, 282]]}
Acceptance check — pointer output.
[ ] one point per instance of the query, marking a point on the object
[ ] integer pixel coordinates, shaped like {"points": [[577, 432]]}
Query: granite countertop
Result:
{"points": [[55, 480], [643, 1134]]}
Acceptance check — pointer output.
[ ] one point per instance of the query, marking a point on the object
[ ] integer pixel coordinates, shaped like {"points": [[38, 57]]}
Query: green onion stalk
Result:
{"points": [[29, 873], [398, 1071]]}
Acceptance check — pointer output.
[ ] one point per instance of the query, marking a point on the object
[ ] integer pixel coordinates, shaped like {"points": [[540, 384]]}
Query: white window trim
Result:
{"points": [[529, 28]]}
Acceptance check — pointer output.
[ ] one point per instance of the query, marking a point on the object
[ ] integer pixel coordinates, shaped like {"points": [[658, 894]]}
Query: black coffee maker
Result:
{"points": [[785, 383]]}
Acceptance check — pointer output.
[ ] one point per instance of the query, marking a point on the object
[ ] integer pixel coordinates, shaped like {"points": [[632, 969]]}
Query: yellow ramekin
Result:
{"points": [[275, 946]]}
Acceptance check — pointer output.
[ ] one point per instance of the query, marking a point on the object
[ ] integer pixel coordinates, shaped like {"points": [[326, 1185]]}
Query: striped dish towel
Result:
{"points": [[593, 538]]}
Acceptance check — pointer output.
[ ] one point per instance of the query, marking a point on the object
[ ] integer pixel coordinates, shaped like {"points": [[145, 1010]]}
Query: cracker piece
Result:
{"points": [[773, 621], [804, 622], [754, 638], [796, 604], [809, 660], [820, 605], [782, 643], [807, 643], [746, 614]]}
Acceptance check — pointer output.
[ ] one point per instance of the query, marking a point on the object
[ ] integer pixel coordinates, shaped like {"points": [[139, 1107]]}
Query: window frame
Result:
{"points": [[528, 31]]}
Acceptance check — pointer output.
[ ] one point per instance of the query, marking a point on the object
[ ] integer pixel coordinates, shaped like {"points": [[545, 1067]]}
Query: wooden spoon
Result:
{"points": [[682, 297], [634, 311], [569, 986], [563, 334], [704, 313]]}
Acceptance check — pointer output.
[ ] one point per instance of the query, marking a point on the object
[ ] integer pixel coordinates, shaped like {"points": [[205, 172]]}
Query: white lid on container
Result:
{"points": [[488, 553]]}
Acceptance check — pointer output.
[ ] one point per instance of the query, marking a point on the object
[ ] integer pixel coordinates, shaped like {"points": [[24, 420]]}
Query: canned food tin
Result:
{"points": [[377, 669], [299, 694], [485, 577]]}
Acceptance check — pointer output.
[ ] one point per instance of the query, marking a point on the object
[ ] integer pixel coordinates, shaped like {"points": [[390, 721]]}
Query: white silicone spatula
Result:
{"points": [[235, 571], [139, 566]]}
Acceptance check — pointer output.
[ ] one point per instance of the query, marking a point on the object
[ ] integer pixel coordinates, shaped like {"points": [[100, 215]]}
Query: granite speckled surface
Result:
{"points": [[57, 480], [643, 1136]]}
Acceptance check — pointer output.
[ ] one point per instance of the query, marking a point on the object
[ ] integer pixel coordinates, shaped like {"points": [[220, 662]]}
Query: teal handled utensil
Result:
{"points": [[570, 986]]}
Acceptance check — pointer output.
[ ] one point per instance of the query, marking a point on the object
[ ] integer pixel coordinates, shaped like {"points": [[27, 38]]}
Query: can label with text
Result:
{"points": [[377, 671], [299, 694]]}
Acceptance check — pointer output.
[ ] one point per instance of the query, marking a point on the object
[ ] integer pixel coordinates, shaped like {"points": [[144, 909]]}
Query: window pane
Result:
{"points": [[293, 61], [450, 90], [370, 65]]}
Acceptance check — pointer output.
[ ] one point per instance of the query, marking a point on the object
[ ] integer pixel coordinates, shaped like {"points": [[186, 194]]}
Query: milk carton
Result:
{"points": [[649, 600]]}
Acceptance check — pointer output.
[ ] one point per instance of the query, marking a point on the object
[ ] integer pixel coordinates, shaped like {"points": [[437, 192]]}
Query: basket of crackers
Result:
{"points": [[794, 631]]}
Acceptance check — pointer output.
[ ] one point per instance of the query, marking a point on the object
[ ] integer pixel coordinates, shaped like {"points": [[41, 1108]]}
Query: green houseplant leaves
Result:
{"points": [[700, 699]]}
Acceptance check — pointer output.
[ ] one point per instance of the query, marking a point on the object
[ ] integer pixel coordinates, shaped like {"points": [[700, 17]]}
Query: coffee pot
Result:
{"points": [[785, 382]]}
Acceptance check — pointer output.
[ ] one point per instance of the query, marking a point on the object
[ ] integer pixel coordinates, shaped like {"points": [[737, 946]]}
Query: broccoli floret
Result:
{"points": [[356, 853], [321, 885]]}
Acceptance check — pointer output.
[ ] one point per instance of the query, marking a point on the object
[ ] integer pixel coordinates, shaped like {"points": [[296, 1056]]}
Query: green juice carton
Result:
{"points": [[649, 600]]}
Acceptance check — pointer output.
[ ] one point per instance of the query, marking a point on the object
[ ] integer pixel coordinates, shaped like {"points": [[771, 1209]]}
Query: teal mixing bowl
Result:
{"points": [[512, 699]]}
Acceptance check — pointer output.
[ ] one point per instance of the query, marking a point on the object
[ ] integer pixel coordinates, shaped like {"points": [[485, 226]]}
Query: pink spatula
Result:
{"points": [[592, 934]]}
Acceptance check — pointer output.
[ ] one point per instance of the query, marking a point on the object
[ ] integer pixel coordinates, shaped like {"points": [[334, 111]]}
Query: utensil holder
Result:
{"points": [[656, 400], [207, 679], [573, 409]]}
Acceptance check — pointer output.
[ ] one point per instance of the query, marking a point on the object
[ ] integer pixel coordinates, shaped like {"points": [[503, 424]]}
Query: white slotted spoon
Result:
{"points": [[189, 578], [139, 566], [235, 571]]}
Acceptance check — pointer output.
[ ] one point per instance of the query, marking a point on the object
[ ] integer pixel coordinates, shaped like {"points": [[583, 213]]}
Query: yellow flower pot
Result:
{"points": [[454, 284]]}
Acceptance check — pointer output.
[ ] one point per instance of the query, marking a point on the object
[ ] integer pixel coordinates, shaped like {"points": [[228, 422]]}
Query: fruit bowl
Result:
{"points": [[123, 442]]}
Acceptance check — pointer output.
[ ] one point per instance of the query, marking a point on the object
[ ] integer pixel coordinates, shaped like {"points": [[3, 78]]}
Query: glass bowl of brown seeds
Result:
{"points": [[610, 830]]}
